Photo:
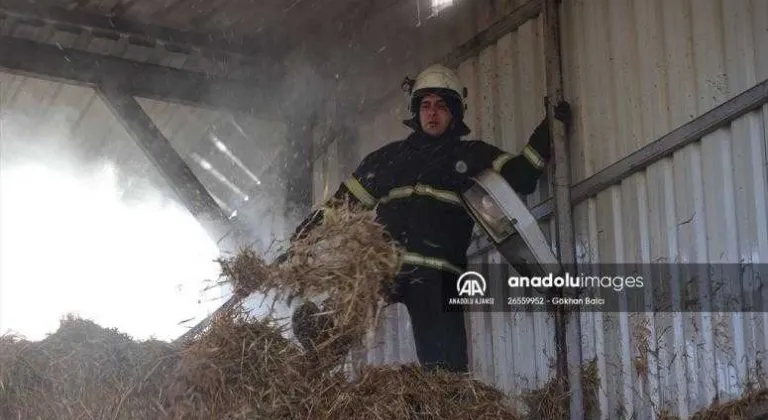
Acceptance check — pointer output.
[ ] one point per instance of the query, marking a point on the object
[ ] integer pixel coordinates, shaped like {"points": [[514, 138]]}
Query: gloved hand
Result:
{"points": [[563, 112]]}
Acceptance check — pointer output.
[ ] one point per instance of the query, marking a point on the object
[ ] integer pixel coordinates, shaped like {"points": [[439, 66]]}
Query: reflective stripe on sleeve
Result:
{"points": [[533, 156], [499, 162], [442, 195], [395, 193], [421, 189], [360, 192], [438, 263]]}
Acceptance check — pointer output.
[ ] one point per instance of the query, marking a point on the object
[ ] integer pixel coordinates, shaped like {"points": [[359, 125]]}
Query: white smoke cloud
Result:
{"points": [[70, 244]]}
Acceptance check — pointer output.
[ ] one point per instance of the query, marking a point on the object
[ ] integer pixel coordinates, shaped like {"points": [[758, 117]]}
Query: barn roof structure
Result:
{"points": [[226, 108], [253, 77]]}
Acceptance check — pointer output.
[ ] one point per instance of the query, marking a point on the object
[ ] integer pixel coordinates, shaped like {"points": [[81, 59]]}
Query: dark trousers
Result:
{"points": [[439, 334]]}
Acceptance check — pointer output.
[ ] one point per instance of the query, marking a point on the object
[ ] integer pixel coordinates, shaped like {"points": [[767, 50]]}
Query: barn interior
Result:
{"points": [[221, 107], [140, 139]]}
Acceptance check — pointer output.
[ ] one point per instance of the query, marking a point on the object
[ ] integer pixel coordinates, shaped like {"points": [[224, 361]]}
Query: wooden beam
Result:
{"points": [[684, 135], [567, 323], [144, 79], [489, 36], [661, 148], [161, 153], [172, 39]]}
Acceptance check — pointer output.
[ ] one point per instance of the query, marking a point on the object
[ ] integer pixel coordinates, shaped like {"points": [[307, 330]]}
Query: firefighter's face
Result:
{"points": [[434, 115]]}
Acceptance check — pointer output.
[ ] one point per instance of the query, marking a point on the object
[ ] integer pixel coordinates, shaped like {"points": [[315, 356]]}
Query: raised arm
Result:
{"points": [[523, 171]]}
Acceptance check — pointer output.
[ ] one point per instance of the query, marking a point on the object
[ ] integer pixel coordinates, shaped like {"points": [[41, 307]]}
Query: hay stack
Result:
{"points": [[408, 392], [241, 367], [82, 371], [551, 401], [753, 405]]}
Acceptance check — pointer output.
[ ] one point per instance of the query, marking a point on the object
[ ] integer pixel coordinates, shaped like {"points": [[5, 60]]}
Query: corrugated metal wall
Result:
{"points": [[633, 72], [507, 85], [707, 203], [636, 70]]}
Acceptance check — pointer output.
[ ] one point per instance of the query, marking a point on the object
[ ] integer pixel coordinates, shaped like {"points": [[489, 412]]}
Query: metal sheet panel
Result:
{"points": [[636, 70], [506, 91], [629, 87], [700, 205]]}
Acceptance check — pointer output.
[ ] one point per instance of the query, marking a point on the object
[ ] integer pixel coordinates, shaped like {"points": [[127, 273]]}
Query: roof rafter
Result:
{"points": [[142, 79], [172, 39]]}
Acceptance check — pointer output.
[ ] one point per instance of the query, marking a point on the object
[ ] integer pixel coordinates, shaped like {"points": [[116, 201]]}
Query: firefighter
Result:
{"points": [[414, 185]]}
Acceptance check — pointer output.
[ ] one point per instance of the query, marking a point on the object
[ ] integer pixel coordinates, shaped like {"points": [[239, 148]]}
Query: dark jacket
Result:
{"points": [[415, 183]]}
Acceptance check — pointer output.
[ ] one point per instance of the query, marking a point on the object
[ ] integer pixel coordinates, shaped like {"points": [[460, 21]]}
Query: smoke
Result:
{"points": [[313, 82], [82, 231]]}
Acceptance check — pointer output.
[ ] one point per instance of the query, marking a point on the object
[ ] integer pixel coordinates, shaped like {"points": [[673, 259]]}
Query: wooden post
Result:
{"points": [[566, 324]]}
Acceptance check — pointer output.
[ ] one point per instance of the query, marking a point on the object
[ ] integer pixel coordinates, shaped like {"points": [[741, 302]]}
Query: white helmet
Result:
{"points": [[440, 80]]}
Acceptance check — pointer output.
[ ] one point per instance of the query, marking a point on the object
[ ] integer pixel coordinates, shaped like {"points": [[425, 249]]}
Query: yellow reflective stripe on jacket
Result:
{"points": [[395, 193], [438, 263], [499, 162], [360, 192], [448, 196], [421, 189], [533, 156]]}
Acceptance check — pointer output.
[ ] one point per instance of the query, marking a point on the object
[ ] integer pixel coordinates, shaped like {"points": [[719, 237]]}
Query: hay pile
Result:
{"points": [[550, 402], [752, 406], [82, 371], [349, 259], [408, 392], [240, 367], [244, 368]]}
